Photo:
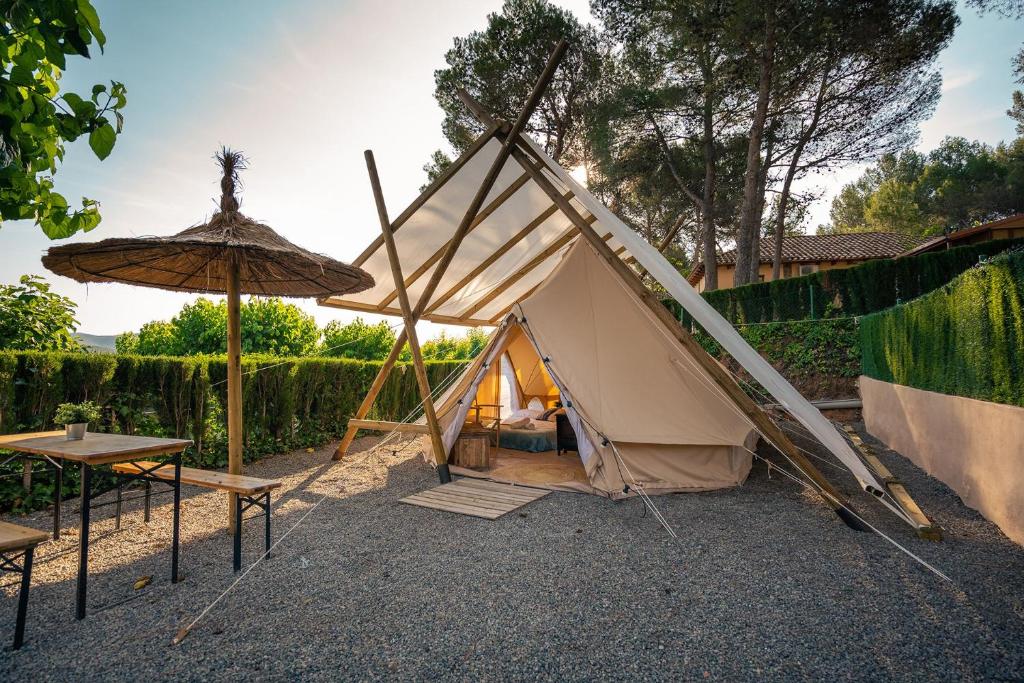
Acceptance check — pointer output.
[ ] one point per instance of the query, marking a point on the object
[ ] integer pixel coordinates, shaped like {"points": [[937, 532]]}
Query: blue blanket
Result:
{"points": [[531, 440]]}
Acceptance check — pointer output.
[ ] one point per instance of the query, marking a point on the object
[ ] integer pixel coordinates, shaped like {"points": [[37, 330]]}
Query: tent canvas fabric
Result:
{"points": [[514, 247], [643, 413]]}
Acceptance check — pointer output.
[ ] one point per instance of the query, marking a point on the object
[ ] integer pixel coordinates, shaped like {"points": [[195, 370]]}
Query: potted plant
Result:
{"points": [[76, 418]]}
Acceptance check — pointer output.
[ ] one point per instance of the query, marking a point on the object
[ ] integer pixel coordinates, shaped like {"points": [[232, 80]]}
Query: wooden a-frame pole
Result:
{"points": [[453, 245], [764, 424], [437, 444]]}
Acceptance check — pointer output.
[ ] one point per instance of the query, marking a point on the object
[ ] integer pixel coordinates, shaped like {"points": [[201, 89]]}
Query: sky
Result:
{"points": [[302, 88]]}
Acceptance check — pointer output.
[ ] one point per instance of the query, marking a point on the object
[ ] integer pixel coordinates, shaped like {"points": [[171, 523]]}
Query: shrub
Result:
{"points": [[287, 403]]}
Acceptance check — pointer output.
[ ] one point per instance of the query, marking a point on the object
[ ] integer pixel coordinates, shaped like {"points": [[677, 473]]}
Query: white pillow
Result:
{"points": [[522, 414], [535, 404]]}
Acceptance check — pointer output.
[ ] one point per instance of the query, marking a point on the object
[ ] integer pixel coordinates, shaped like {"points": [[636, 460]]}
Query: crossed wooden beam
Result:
{"points": [[513, 146]]}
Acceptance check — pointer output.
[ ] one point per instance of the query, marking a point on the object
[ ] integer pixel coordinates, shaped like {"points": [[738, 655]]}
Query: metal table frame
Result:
{"points": [[174, 447]]}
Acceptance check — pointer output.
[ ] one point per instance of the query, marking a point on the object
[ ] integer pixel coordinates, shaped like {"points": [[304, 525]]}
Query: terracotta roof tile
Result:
{"points": [[855, 246]]}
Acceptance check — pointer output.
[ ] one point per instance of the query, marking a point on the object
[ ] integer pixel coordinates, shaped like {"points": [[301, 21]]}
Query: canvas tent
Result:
{"points": [[642, 412], [506, 237]]}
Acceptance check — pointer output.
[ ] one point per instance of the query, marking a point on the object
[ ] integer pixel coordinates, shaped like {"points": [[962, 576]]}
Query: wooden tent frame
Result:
{"points": [[514, 146]]}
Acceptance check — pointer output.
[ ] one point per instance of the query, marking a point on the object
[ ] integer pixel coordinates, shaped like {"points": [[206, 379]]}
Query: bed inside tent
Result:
{"points": [[520, 406]]}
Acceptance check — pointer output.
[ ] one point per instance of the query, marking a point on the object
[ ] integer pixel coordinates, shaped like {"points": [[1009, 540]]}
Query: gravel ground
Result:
{"points": [[763, 582]]}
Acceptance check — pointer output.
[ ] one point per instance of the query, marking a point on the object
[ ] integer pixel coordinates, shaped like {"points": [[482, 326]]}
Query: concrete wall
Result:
{"points": [[974, 447]]}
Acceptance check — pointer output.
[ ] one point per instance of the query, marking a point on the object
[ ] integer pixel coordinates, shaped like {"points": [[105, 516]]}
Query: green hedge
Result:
{"points": [[843, 292], [966, 338], [287, 403]]}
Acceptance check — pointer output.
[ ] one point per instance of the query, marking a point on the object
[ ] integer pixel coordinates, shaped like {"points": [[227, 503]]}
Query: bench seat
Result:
{"points": [[250, 491], [232, 483], [19, 542]]}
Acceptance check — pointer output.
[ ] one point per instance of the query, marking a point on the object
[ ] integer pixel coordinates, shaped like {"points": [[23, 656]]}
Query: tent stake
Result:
{"points": [[440, 455]]}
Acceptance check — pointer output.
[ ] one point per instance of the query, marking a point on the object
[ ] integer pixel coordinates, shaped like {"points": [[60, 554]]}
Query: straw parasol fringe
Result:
{"points": [[196, 259]]}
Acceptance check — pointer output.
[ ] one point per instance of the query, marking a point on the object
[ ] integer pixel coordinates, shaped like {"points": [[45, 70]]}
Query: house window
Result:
{"points": [[808, 268], [760, 278], [787, 269]]}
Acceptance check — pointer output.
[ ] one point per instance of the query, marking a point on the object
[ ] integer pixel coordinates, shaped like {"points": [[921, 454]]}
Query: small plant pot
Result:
{"points": [[76, 432]]}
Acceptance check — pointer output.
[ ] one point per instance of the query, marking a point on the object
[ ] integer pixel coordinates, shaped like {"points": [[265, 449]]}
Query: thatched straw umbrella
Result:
{"points": [[231, 254]]}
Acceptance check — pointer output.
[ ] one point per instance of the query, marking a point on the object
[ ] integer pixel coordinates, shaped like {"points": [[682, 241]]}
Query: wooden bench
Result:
{"points": [[18, 542], [251, 491]]}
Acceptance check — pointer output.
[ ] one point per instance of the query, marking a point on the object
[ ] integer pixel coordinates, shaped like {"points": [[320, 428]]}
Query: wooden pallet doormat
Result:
{"points": [[476, 497]]}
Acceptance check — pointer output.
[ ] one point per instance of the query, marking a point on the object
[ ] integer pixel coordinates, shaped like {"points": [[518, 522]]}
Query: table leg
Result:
{"points": [[177, 515], [83, 542], [58, 494]]}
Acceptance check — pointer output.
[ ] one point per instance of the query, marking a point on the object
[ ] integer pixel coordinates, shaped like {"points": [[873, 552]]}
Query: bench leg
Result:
{"points": [[149, 491], [117, 506], [266, 526], [238, 534], [26, 581]]}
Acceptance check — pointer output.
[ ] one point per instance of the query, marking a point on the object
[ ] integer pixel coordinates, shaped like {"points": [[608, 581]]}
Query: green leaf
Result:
{"points": [[22, 75], [82, 108], [92, 20], [102, 140]]}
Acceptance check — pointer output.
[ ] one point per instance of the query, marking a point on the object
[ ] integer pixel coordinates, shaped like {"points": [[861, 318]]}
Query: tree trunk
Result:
{"points": [[794, 163], [749, 229], [708, 237]]}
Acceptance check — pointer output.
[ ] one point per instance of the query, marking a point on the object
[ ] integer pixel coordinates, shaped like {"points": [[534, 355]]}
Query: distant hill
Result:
{"points": [[97, 343]]}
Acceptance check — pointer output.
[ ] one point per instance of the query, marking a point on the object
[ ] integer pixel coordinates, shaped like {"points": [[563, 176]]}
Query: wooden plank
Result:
{"points": [[449, 507], [468, 501], [8, 438], [436, 442], [498, 253], [924, 527], [512, 489], [96, 448], [384, 426], [480, 218], [428, 193], [515, 277], [497, 164], [433, 317], [15, 537], [491, 494], [364, 408], [223, 481]]}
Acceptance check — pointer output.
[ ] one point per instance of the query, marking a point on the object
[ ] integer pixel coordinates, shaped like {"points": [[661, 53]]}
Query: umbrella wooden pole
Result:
{"points": [[235, 436], [440, 456]]}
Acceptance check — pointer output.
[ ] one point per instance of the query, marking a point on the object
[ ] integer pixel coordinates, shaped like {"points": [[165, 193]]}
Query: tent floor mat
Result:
{"points": [[476, 498]]}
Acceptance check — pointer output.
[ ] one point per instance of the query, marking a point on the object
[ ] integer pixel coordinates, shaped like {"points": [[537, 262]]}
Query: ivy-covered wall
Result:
{"points": [[966, 338], [287, 403], [863, 289]]}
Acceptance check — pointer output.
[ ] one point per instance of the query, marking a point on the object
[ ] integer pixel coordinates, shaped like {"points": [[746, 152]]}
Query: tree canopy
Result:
{"points": [[269, 326], [33, 318], [958, 184], [36, 38]]}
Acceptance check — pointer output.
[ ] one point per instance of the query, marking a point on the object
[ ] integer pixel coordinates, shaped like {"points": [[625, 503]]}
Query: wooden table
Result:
{"points": [[90, 452]]}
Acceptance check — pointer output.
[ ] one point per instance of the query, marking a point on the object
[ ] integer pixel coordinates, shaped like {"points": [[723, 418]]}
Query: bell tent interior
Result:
{"points": [[507, 238]]}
